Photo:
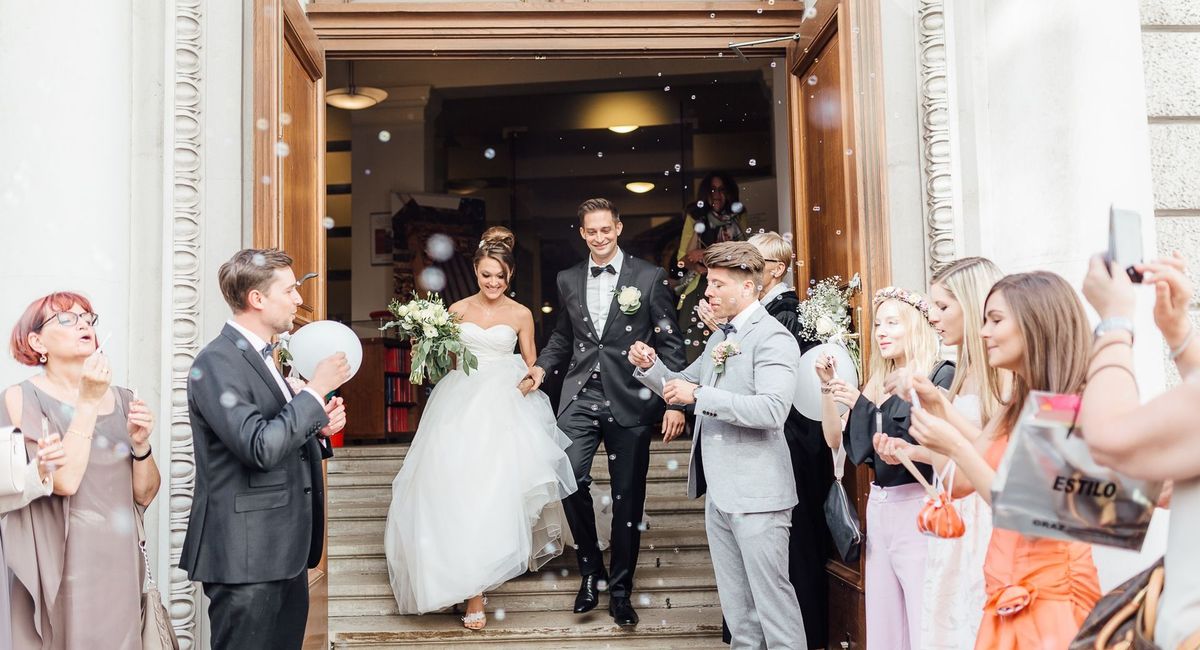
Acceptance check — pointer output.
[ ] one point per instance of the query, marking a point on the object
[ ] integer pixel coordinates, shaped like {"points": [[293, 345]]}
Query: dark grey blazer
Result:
{"points": [[257, 512], [575, 338]]}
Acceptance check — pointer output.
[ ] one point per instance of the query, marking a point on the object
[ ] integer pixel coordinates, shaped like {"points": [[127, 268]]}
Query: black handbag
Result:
{"points": [[841, 515]]}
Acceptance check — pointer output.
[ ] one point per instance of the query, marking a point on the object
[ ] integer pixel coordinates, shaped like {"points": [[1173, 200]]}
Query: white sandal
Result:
{"points": [[476, 617]]}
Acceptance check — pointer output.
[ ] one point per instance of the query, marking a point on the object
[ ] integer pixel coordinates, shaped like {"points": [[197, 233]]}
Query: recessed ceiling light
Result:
{"points": [[628, 128], [639, 187]]}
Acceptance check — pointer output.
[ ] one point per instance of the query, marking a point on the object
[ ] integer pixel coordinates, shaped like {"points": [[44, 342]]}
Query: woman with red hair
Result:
{"points": [[74, 555]]}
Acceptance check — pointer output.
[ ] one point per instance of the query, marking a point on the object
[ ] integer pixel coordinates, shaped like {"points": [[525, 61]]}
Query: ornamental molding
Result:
{"points": [[184, 295], [937, 165]]}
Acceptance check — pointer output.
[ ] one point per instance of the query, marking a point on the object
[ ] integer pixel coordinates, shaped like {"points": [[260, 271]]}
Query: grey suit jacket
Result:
{"points": [[739, 453]]}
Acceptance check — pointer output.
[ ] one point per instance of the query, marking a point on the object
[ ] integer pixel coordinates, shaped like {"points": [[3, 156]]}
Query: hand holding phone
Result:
{"points": [[1125, 241]]}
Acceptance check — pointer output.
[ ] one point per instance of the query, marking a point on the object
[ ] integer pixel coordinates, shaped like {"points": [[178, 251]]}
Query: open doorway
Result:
{"points": [[458, 146]]}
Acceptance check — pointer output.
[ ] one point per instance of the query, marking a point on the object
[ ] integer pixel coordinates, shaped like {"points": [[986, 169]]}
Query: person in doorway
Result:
{"points": [[609, 301], [742, 387], [477, 500], [257, 520], [716, 216]]}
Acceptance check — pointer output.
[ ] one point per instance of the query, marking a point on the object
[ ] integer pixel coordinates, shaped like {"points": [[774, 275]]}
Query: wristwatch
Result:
{"points": [[1116, 323]]}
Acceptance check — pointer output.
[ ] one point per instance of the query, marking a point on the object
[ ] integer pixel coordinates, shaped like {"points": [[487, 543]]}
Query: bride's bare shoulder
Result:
{"points": [[519, 314], [460, 307]]}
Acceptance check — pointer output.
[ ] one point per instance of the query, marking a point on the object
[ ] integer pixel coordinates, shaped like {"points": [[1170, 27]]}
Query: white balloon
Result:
{"points": [[808, 384], [316, 341]]}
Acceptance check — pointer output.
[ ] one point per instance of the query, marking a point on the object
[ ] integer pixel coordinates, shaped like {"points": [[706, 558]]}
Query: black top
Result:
{"points": [[860, 429]]}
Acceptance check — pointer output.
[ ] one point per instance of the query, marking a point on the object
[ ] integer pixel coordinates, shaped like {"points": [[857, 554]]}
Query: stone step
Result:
{"points": [[658, 471], [398, 451], [657, 505], [369, 594], [664, 630], [388, 466], [665, 484], [668, 547], [376, 525]]}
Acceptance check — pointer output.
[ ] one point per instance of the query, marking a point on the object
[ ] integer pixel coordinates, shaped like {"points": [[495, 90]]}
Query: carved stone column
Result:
{"points": [[940, 205]]}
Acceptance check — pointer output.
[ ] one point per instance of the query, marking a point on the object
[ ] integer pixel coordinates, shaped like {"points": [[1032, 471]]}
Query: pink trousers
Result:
{"points": [[895, 573]]}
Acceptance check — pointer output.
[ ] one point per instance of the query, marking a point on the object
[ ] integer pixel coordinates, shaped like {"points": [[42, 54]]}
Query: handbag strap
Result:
{"points": [[912, 469], [944, 480], [839, 463], [139, 518]]}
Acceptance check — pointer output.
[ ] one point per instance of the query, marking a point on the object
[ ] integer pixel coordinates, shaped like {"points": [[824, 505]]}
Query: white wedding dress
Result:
{"points": [[476, 502]]}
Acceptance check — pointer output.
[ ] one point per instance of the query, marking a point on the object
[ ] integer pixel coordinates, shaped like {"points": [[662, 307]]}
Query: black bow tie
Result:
{"points": [[607, 268], [268, 349], [727, 328]]}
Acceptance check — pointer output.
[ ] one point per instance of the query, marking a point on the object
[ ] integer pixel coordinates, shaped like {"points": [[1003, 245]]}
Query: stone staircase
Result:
{"points": [[676, 592]]}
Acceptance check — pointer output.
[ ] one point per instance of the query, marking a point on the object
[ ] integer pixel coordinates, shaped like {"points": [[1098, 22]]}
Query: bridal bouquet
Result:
{"points": [[434, 334], [825, 315]]}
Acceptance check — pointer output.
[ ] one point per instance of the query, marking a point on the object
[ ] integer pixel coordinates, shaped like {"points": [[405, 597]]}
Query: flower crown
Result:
{"points": [[903, 295]]}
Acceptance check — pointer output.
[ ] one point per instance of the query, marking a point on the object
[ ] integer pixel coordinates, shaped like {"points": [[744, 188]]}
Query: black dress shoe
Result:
{"points": [[589, 593], [622, 611]]}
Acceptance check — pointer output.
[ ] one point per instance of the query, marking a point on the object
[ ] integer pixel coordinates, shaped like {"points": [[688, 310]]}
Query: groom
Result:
{"points": [[742, 389], [608, 302]]}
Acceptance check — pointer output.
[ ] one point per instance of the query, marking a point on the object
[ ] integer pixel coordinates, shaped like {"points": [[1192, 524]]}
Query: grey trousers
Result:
{"points": [[750, 558]]}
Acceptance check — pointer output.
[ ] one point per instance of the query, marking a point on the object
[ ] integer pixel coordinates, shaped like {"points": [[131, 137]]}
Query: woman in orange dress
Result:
{"points": [[1039, 590]]}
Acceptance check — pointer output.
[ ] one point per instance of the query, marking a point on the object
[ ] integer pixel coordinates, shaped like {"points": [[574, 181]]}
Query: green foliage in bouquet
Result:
{"points": [[434, 334], [825, 315]]}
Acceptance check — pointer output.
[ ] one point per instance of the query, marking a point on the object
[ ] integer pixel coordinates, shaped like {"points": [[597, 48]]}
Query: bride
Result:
{"points": [[476, 502]]}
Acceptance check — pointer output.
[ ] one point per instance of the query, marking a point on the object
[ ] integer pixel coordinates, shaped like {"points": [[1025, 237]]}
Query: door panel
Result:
{"points": [[829, 239], [289, 173]]}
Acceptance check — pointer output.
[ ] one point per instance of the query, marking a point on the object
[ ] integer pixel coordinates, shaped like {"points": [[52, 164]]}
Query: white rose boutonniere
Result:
{"points": [[629, 299], [722, 352]]}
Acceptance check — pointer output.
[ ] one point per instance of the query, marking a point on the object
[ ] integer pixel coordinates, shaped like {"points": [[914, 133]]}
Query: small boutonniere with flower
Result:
{"points": [[722, 352], [285, 355], [629, 299]]}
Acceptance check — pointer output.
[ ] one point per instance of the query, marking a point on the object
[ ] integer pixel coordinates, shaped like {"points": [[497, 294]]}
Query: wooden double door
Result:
{"points": [[835, 134]]}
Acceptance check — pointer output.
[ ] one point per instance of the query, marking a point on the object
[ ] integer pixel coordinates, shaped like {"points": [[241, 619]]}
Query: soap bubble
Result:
{"points": [[385, 135], [328, 223], [489, 153], [699, 228], [440, 247], [737, 207], [228, 400], [812, 80], [282, 149], [753, 162], [433, 278]]}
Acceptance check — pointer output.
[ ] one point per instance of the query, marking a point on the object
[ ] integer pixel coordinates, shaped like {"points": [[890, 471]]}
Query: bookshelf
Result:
{"points": [[381, 404]]}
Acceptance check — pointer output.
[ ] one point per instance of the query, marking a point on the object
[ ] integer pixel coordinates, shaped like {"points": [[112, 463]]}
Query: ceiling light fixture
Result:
{"points": [[354, 97], [639, 187], [628, 128]]}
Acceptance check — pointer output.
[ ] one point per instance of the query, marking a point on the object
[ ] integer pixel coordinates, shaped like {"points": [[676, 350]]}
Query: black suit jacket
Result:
{"points": [[576, 339], [257, 512]]}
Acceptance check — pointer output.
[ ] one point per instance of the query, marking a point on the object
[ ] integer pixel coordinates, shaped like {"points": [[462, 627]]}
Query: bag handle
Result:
{"points": [[839, 463], [912, 469]]}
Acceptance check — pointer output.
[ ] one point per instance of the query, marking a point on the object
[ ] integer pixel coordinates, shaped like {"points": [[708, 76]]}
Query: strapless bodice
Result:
{"points": [[495, 343]]}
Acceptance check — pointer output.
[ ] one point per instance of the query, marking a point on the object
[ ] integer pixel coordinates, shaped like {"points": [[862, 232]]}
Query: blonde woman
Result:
{"points": [[1038, 590], [954, 588], [903, 341]]}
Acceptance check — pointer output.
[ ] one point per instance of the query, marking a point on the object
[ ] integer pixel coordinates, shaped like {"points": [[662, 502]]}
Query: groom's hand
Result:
{"points": [[642, 355], [535, 376], [678, 391], [672, 424]]}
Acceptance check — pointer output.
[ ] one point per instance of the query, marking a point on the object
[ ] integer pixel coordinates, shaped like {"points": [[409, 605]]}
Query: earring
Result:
{"points": [[42, 358]]}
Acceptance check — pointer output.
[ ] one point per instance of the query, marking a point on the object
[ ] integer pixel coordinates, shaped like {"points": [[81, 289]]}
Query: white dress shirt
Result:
{"points": [[739, 321], [257, 344], [600, 290]]}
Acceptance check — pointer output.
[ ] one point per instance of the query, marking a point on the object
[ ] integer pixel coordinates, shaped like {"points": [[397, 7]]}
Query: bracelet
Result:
{"points": [[1187, 342], [149, 450], [1112, 365], [84, 436]]}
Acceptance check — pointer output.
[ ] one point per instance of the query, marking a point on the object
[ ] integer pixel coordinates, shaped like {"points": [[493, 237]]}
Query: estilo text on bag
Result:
{"points": [[1048, 484]]}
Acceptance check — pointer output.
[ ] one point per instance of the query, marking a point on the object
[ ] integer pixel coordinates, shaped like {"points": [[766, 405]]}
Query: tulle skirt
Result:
{"points": [[476, 502]]}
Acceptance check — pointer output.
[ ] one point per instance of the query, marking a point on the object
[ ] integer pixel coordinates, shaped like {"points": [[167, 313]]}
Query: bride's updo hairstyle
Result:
{"points": [[497, 243]]}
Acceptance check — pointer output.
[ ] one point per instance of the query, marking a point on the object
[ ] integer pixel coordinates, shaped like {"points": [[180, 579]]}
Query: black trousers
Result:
{"points": [[587, 421], [258, 615]]}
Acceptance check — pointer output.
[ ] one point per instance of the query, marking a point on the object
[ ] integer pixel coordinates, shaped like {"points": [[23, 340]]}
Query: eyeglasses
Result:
{"points": [[70, 319]]}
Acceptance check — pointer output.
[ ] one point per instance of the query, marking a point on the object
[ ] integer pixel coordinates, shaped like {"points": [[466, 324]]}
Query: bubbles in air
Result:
{"points": [[489, 153], [440, 247], [433, 278]]}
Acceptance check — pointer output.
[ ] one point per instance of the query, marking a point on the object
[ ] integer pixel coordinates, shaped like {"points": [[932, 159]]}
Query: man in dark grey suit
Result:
{"points": [[257, 521], [607, 303]]}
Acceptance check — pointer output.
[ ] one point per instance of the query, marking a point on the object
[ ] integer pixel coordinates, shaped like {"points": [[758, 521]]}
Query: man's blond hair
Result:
{"points": [[741, 258]]}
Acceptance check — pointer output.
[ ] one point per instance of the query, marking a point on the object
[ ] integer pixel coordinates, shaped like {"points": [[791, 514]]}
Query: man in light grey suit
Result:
{"points": [[742, 387]]}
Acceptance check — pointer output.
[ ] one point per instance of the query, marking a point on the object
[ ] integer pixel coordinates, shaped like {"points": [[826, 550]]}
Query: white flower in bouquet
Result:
{"points": [[435, 336], [826, 326]]}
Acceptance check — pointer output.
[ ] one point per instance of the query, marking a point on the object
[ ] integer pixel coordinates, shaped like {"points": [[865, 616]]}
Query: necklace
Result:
{"points": [[487, 311]]}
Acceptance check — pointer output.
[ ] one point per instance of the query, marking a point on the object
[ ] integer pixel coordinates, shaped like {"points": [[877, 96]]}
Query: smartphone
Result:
{"points": [[1125, 241]]}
